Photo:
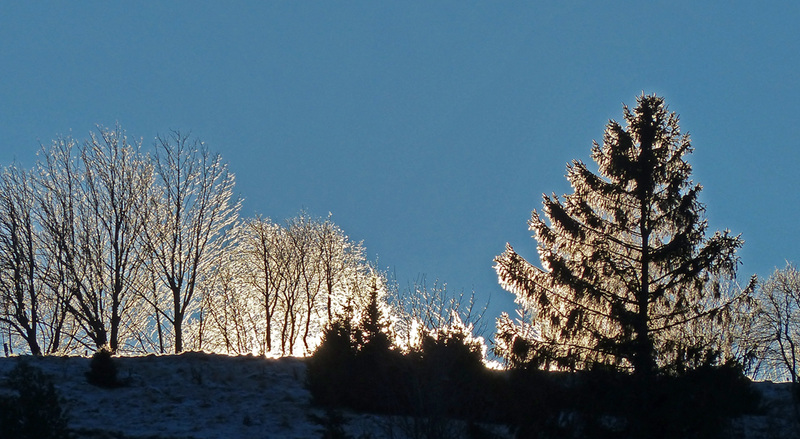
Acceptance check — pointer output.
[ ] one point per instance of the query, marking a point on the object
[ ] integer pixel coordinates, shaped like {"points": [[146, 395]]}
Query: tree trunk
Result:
{"points": [[32, 342], [643, 356], [268, 323], [177, 326], [177, 320], [115, 320], [643, 361]]}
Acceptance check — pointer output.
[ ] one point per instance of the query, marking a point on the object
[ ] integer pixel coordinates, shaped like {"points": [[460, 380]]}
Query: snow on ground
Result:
{"points": [[780, 417], [191, 395], [199, 396]]}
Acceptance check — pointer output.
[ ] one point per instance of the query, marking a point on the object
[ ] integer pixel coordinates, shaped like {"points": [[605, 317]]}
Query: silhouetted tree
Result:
{"points": [[91, 208], [433, 310], [449, 375], [330, 369], [778, 323], [302, 239], [20, 295], [71, 238], [192, 208], [625, 257], [374, 327], [274, 284], [357, 365], [104, 246], [340, 260], [102, 369], [117, 178], [261, 243]]}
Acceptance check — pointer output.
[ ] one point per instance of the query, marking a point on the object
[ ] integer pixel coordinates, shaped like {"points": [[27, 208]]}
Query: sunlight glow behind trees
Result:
{"points": [[104, 244]]}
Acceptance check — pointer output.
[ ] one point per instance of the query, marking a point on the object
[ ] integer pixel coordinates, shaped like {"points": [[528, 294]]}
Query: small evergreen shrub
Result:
{"points": [[358, 366], [447, 368], [34, 410], [347, 372], [102, 369], [330, 368]]}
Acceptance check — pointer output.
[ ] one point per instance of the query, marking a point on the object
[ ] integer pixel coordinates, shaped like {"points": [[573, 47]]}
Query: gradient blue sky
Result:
{"points": [[429, 129]]}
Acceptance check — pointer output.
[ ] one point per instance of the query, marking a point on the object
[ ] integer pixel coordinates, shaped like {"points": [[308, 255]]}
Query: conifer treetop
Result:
{"points": [[625, 257]]}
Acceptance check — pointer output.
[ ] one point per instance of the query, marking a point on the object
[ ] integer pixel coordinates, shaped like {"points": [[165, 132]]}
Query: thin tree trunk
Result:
{"points": [[177, 320]]}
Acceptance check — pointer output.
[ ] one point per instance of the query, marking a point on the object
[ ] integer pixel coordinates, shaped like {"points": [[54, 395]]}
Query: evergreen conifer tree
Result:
{"points": [[374, 338], [624, 259], [33, 409]]}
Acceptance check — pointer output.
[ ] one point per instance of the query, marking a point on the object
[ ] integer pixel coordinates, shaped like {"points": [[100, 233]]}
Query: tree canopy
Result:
{"points": [[625, 258]]}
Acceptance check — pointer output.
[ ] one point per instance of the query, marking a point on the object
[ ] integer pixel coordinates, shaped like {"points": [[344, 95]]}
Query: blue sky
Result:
{"points": [[429, 129]]}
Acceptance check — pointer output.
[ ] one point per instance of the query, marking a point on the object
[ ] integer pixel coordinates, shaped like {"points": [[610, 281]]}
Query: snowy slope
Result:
{"points": [[780, 417], [198, 395], [186, 396]]}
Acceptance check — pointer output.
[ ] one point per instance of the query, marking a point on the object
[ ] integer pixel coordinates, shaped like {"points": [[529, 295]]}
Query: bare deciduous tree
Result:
{"points": [[71, 237], [117, 180], [232, 322], [20, 294], [434, 311], [336, 254], [104, 246], [303, 238], [91, 208], [190, 215], [778, 323], [273, 290], [264, 254]]}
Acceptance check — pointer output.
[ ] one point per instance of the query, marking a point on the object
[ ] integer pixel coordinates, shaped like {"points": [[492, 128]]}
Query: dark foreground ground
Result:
{"points": [[197, 396]]}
